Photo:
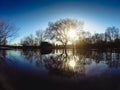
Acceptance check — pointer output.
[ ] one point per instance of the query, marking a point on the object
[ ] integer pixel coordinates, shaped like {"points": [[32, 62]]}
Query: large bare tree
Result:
{"points": [[8, 31], [59, 30]]}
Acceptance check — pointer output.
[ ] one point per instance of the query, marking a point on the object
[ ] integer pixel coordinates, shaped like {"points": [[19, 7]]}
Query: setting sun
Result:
{"points": [[72, 34]]}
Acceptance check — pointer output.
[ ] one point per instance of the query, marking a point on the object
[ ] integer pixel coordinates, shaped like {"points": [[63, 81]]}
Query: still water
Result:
{"points": [[60, 69]]}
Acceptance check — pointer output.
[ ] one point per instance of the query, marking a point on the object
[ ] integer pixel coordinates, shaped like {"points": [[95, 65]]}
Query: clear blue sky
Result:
{"points": [[31, 15]]}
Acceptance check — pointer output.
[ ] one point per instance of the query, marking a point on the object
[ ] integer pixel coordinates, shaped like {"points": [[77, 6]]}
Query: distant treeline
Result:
{"points": [[44, 45], [108, 40], [57, 33]]}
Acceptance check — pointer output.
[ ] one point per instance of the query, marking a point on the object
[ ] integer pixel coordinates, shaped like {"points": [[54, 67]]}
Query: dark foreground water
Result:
{"points": [[59, 70]]}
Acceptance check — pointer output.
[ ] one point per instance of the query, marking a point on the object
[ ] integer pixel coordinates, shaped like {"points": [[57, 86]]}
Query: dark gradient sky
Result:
{"points": [[31, 15]]}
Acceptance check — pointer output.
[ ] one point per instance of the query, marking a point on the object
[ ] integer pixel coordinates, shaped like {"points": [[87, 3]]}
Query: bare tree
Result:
{"points": [[8, 32], [40, 36], [58, 31], [98, 38], [112, 33], [28, 41]]}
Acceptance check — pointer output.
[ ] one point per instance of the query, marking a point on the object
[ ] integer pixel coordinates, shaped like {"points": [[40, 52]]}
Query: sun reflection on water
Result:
{"points": [[72, 63]]}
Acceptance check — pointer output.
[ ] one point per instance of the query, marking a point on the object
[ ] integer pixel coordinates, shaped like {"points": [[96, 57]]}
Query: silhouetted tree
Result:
{"points": [[8, 31], [84, 39], [112, 33], [58, 31], [40, 36], [98, 38], [28, 41], [109, 39], [32, 40]]}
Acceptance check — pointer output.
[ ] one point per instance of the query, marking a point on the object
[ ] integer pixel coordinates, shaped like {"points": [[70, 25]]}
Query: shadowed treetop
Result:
{"points": [[59, 30]]}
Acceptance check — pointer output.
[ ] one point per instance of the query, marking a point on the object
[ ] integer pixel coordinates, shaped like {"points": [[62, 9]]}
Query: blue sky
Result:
{"points": [[31, 15]]}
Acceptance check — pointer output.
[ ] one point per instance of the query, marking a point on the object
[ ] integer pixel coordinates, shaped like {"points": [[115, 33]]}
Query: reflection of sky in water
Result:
{"points": [[16, 60], [95, 69], [73, 63]]}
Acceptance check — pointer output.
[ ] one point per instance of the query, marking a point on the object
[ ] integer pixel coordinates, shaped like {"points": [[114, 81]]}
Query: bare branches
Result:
{"points": [[32, 40], [112, 33], [40, 36], [7, 32], [59, 29]]}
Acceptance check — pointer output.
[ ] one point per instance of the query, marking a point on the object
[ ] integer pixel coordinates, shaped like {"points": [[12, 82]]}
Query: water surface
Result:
{"points": [[60, 69]]}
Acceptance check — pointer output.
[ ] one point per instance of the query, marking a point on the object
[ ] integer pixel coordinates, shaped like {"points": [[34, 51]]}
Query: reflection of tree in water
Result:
{"points": [[112, 59], [58, 62], [4, 72], [33, 56], [66, 64], [3, 53]]}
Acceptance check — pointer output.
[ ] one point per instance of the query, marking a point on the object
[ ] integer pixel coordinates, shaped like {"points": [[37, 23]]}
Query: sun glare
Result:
{"points": [[72, 34]]}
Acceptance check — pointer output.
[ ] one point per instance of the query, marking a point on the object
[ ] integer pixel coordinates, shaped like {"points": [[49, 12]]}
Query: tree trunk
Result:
{"points": [[65, 46]]}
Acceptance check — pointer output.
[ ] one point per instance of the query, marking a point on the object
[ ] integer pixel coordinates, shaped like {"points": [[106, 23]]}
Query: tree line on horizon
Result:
{"points": [[57, 32], [110, 39]]}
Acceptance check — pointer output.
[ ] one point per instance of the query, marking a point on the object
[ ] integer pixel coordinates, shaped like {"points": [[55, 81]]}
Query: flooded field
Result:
{"points": [[59, 70]]}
